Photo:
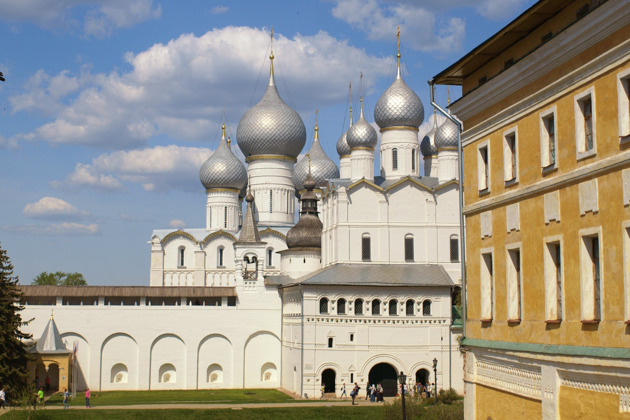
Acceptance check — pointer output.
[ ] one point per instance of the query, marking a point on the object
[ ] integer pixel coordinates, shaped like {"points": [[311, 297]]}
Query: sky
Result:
{"points": [[110, 107]]}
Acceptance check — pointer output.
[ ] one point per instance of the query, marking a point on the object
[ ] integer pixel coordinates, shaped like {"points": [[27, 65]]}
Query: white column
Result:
{"points": [[362, 163], [447, 162], [403, 140], [345, 168], [272, 176]]}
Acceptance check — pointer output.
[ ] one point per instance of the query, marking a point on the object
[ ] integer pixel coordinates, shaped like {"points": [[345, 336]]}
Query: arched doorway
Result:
{"points": [[328, 380], [386, 375], [423, 376]]}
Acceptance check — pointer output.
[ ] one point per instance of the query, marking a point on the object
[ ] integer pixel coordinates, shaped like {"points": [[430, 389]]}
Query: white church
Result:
{"points": [[358, 290]]}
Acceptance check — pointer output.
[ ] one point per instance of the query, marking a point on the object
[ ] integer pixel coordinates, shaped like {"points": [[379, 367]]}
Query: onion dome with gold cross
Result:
{"points": [[307, 232], [271, 127], [398, 106], [322, 167], [362, 134], [223, 169]]}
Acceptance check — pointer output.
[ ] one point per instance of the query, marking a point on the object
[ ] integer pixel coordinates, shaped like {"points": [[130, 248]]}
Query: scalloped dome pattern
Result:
{"points": [[399, 106], [427, 145], [446, 135], [342, 144], [362, 134], [322, 167], [223, 169]]}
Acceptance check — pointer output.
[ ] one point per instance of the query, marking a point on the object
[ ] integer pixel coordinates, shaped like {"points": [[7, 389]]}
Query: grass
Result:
{"points": [[315, 413], [221, 396]]}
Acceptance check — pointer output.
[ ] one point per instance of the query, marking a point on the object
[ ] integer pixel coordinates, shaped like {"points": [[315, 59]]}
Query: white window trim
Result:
{"points": [[580, 135], [623, 104], [544, 139], [510, 277], [586, 277], [482, 176], [508, 176], [625, 226], [550, 281], [485, 315]]}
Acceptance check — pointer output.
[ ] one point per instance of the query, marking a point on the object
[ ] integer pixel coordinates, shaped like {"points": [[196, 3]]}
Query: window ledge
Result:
{"points": [[487, 321], [627, 322], [553, 321], [624, 138], [586, 155], [549, 169], [485, 191], [511, 182], [514, 321], [590, 321]]}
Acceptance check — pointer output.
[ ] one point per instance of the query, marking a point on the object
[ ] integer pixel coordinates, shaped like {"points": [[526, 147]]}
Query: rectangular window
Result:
{"points": [[553, 281], [626, 271], [454, 249], [483, 168], [358, 307], [585, 123], [231, 301], [623, 106], [514, 287], [409, 249], [330, 342], [548, 139], [270, 201], [590, 269], [376, 307], [510, 170], [487, 286], [220, 257], [395, 159], [351, 337], [365, 248], [413, 159], [225, 217]]}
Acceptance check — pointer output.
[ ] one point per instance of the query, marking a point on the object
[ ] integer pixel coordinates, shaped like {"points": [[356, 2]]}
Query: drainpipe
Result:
{"points": [[462, 230], [302, 343]]}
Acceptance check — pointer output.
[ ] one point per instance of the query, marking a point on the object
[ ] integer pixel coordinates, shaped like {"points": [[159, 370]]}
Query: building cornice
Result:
{"points": [[218, 233], [399, 127], [270, 157]]}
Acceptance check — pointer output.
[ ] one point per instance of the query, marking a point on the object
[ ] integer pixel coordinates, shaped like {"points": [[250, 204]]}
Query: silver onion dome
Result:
{"points": [[271, 127], [427, 145], [223, 169], [399, 106], [446, 135], [307, 232], [342, 144], [362, 134], [321, 166]]}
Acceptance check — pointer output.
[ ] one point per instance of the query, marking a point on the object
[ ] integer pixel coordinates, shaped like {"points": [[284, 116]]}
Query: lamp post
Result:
{"points": [[435, 373], [402, 378]]}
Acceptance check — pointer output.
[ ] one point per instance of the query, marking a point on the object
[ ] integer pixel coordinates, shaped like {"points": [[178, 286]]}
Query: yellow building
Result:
{"points": [[546, 157]]}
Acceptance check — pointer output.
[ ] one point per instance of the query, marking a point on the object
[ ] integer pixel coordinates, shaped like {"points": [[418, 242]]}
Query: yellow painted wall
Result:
{"points": [[581, 404], [498, 405]]}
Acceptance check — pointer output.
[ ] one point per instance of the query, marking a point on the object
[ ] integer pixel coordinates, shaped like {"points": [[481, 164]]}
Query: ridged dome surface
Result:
{"points": [[362, 134], [322, 167], [223, 169], [399, 106], [427, 145], [446, 135], [271, 127]]}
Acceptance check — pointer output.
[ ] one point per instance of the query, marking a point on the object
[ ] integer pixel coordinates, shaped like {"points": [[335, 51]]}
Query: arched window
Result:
{"points": [[180, 256], [270, 201], [393, 307], [358, 307], [225, 217], [426, 308], [454, 248], [269, 257], [366, 247], [119, 374], [409, 248], [323, 306], [220, 256], [413, 159], [341, 306], [214, 374], [395, 159], [409, 306], [376, 307], [167, 374]]}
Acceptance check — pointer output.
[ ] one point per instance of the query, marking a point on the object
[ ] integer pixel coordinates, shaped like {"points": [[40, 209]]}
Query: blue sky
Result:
{"points": [[111, 106]]}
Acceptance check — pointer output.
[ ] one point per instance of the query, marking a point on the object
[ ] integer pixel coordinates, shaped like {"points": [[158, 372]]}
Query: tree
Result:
{"points": [[59, 279], [13, 355]]}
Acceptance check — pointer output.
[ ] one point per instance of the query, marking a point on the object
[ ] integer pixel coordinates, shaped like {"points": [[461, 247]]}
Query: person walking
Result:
{"points": [[87, 397], [323, 389], [3, 398], [40, 396], [355, 392], [343, 391], [66, 395], [379, 393]]}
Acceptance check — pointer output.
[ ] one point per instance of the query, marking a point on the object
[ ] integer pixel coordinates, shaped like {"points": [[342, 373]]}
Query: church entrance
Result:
{"points": [[328, 380], [423, 376], [386, 375]]}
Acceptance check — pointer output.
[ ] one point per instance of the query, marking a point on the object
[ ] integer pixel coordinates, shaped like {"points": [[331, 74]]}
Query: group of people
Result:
{"points": [[424, 390], [374, 392]]}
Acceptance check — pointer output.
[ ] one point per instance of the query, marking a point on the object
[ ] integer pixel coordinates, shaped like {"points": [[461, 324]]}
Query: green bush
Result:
{"points": [[449, 407]]}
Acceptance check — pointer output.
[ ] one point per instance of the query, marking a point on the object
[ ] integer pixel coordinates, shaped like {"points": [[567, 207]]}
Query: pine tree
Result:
{"points": [[13, 355]]}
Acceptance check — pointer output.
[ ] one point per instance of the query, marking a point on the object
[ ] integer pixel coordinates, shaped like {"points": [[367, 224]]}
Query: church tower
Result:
{"points": [[362, 139]]}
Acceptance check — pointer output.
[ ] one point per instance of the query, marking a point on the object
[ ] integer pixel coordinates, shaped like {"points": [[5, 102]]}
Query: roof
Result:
{"points": [[201, 234], [513, 32], [372, 275], [126, 291], [50, 341], [430, 183]]}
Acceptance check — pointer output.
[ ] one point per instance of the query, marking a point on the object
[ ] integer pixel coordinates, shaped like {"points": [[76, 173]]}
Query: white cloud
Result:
{"points": [[160, 168], [66, 228], [8, 143], [181, 89], [99, 17], [177, 224], [217, 10], [53, 208], [500, 9], [420, 27]]}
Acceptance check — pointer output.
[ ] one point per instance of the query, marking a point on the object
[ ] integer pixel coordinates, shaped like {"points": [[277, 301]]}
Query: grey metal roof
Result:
{"points": [[319, 164], [249, 231], [50, 342], [429, 182], [126, 291], [376, 275], [223, 169], [399, 106]]}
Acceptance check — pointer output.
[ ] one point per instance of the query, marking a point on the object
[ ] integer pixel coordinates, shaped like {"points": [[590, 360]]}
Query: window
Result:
{"points": [[376, 307], [486, 283], [220, 257], [413, 159], [510, 168], [365, 247], [180, 256], [330, 342], [225, 217], [341, 306], [426, 308], [483, 168], [553, 281], [358, 307], [395, 159], [623, 99], [513, 276], [269, 257], [231, 301], [323, 306], [454, 248], [591, 278], [288, 203], [626, 269], [351, 337], [548, 138], [393, 307], [585, 124], [409, 248], [270, 201], [409, 307]]}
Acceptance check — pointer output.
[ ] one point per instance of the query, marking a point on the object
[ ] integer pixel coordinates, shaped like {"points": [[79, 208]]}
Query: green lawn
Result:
{"points": [[315, 413], [221, 396]]}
